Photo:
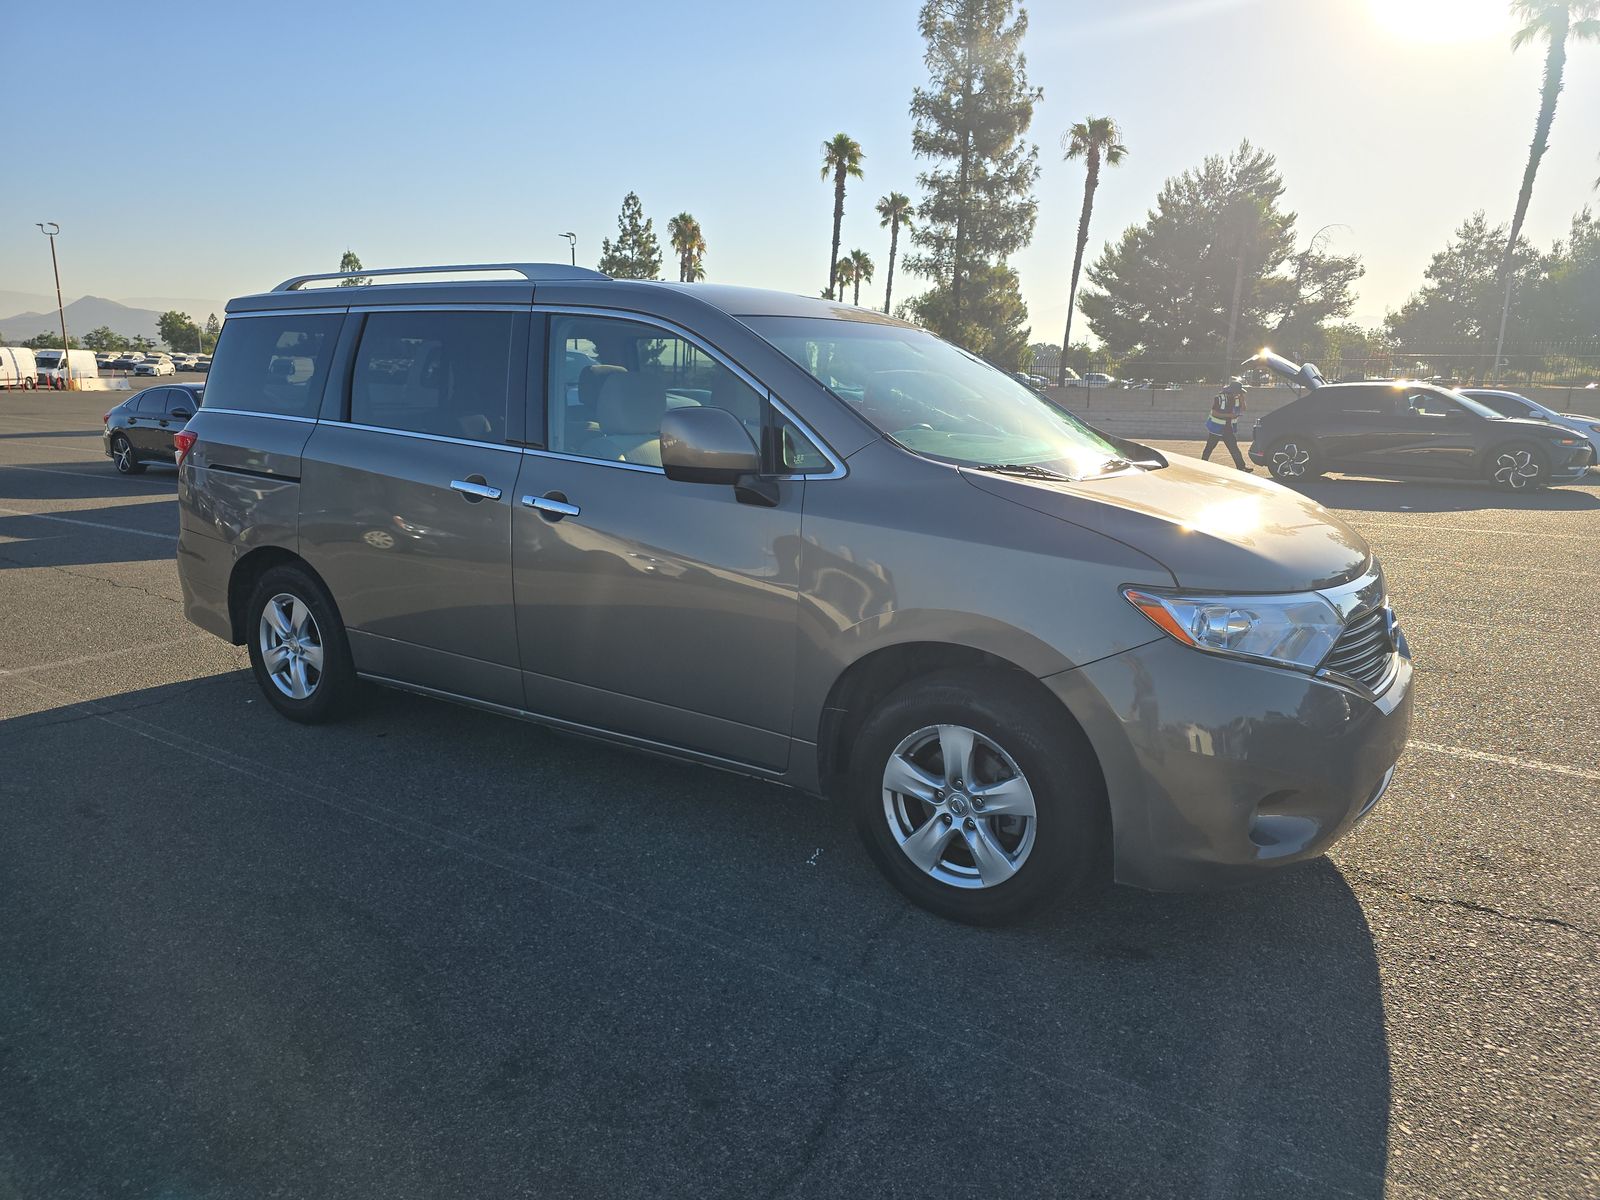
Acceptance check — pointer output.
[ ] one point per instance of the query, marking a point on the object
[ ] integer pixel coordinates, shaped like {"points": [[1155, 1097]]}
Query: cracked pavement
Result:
{"points": [[433, 952]]}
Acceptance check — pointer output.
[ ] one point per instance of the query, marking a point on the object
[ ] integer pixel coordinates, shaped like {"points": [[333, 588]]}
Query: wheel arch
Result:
{"points": [[868, 680], [249, 569]]}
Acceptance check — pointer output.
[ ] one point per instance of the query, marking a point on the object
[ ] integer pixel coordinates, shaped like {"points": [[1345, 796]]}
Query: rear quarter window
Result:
{"points": [[276, 365]]}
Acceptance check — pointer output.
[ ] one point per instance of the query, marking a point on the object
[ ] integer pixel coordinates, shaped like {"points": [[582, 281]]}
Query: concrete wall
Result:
{"points": [[1182, 413]]}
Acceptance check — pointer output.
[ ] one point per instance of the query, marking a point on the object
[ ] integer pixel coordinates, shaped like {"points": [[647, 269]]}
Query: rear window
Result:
{"points": [[275, 365], [445, 373]]}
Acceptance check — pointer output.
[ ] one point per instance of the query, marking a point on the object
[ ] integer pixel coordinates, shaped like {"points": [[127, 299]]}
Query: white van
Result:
{"points": [[18, 368], [80, 362]]}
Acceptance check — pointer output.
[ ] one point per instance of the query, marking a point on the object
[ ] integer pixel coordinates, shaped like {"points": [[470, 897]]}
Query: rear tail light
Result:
{"points": [[106, 420], [183, 441]]}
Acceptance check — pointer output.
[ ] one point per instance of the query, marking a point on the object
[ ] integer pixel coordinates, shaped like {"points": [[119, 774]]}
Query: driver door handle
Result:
{"points": [[547, 504]]}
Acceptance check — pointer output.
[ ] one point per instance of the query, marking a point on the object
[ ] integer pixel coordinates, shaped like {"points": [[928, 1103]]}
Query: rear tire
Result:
{"points": [[1292, 460], [298, 647], [1518, 468], [942, 838], [123, 458]]}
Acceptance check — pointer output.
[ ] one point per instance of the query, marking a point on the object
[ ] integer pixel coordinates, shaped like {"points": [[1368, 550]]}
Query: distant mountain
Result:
{"points": [[84, 314]]}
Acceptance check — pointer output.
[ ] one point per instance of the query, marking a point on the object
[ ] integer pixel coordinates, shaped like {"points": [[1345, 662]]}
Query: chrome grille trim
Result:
{"points": [[1362, 655]]}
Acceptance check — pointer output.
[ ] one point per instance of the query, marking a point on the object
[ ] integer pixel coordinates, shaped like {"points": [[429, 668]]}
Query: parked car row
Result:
{"points": [[1417, 430], [136, 362]]}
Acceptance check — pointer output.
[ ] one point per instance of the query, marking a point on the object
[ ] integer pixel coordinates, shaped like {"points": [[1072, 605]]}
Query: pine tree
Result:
{"points": [[970, 120], [350, 265], [636, 254]]}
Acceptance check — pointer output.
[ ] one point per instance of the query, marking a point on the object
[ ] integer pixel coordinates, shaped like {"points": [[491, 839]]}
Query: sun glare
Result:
{"points": [[1442, 20]]}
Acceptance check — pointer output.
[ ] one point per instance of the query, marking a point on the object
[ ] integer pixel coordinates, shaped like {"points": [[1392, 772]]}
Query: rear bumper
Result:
{"points": [[205, 566], [1218, 770]]}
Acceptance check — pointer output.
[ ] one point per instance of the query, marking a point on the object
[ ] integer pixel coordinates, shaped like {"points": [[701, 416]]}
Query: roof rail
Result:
{"points": [[533, 272]]}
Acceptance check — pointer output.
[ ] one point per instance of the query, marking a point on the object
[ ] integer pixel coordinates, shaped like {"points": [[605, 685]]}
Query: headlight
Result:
{"points": [[1294, 630]]}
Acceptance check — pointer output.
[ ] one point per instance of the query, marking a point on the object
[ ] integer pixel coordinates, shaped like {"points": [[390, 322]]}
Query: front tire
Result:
{"points": [[123, 458], [1519, 468], [1292, 460], [978, 799], [298, 647]]}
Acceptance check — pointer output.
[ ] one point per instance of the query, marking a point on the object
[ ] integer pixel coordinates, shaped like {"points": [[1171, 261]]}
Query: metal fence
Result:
{"points": [[1574, 363]]}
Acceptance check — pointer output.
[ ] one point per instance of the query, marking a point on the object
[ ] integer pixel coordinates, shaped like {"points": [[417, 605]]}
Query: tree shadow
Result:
{"points": [[427, 926]]}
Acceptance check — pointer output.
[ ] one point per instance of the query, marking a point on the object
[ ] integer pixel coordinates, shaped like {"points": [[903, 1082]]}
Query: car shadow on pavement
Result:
{"points": [[491, 927], [98, 535], [51, 433], [1374, 495], [83, 480]]}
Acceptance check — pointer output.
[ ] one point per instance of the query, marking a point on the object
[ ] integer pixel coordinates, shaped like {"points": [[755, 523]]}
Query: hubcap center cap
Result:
{"points": [[958, 804]]}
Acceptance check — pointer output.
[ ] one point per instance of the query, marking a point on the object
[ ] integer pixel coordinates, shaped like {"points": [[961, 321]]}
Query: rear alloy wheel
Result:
{"points": [[298, 647], [1290, 460], [980, 800], [123, 457], [1519, 468]]}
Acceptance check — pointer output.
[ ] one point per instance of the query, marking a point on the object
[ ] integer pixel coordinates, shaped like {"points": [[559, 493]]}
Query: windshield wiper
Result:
{"points": [[1033, 469]]}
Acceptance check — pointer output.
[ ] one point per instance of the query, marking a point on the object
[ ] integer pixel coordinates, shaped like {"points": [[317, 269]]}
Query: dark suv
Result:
{"points": [[1413, 430]]}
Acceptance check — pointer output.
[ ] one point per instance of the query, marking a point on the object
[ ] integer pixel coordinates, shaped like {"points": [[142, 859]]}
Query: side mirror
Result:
{"points": [[706, 445]]}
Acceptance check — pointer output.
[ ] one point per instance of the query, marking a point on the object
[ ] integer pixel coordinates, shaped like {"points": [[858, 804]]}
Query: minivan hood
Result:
{"points": [[1214, 528]]}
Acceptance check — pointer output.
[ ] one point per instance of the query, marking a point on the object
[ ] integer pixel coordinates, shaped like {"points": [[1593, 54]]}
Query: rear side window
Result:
{"points": [[1506, 406], [444, 373], [152, 403], [275, 365]]}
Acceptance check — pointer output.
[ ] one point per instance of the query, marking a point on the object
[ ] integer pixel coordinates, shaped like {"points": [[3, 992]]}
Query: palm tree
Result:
{"points": [[860, 271], [844, 273], [1095, 140], [896, 210], [1556, 21], [690, 245], [841, 156]]}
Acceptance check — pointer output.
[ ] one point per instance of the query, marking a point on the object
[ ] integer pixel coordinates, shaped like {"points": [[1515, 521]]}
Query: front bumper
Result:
{"points": [[1576, 467], [1217, 769]]}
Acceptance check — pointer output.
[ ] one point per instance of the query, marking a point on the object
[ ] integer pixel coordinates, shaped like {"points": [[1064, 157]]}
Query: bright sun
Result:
{"points": [[1442, 20]]}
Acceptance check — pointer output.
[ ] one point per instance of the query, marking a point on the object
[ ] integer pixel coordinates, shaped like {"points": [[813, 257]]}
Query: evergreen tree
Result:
{"points": [[978, 206], [1459, 301], [1215, 255], [994, 318], [350, 265], [213, 328], [636, 254]]}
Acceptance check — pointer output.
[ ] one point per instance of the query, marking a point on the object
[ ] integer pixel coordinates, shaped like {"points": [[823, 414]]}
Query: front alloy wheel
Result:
{"points": [[1516, 470], [958, 806]]}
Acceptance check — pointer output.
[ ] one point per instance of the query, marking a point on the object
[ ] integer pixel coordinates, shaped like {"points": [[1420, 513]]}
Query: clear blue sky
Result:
{"points": [[216, 148]]}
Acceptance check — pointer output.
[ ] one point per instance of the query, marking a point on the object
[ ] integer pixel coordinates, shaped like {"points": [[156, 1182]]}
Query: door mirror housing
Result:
{"points": [[707, 445]]}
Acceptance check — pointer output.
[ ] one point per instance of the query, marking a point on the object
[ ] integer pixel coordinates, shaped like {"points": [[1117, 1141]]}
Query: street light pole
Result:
{"points": [[61, 310], [572, 244]]}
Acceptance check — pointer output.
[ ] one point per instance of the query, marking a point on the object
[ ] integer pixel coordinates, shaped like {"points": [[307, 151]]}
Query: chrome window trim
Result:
{"points": [[838, 469], [245, 412], [562, 456], [369, 309], [320, 310], [425, 437]]}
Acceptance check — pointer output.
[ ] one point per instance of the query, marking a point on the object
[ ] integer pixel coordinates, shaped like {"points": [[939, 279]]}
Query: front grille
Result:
{"points": [[1363, 652]]}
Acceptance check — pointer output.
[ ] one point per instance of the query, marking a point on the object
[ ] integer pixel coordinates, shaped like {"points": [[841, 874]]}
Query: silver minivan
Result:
{"points": [[801, 541]]}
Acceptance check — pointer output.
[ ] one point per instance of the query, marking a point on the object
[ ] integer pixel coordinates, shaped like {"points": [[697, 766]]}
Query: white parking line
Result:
{"points": [[1506, 760], [1348, 516], [1478, 565], [53, 446], [78, 474], [89, 658], [17, 512]]}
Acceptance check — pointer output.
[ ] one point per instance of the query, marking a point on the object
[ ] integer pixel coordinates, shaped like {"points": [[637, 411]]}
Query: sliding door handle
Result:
{"points": [[474, 490]]}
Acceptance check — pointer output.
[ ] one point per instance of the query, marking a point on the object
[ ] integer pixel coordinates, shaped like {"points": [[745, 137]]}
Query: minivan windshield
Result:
{"points": [[939, 401]]}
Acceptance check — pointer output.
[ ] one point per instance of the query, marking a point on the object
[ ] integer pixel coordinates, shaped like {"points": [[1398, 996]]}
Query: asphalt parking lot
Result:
{"points": [[432, 952]]}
